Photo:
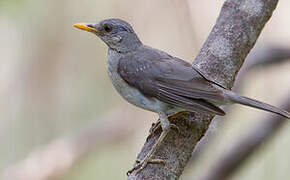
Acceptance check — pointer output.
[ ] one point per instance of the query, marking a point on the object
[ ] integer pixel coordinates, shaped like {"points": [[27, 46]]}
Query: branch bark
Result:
{"points": [[237, 28]]}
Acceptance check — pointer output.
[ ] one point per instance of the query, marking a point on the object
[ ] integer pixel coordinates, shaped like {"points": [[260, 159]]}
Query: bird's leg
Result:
{"points": [[156, 126], [165, 125]]}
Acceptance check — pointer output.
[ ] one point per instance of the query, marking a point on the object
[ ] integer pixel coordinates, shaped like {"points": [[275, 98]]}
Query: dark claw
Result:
{"points": [[141, 165], [133, 169]]}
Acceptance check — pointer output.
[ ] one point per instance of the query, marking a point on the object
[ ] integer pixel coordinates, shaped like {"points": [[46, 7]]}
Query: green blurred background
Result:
{"points": [[54, 89]]}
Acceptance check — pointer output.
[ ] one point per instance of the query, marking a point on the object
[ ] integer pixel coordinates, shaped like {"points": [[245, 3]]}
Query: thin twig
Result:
{"points": [[230, 162]]}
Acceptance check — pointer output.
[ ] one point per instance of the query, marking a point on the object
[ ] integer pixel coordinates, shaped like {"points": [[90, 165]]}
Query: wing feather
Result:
{"points": [[191, 92], [190, 104], [169, 79]]}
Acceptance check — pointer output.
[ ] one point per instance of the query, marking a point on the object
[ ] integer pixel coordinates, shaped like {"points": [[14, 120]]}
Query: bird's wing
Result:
{"points": [[169, 79]]}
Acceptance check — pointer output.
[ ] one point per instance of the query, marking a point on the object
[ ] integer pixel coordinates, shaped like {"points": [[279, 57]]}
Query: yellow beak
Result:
{"points": [[85, 27]]}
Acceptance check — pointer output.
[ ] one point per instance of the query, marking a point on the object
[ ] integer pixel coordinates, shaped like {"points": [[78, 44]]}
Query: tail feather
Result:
{"points": [[256, 104]]}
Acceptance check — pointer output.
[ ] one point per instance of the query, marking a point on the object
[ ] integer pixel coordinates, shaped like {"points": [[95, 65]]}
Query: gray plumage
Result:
{"points": [[169, 80], [156, 81]]}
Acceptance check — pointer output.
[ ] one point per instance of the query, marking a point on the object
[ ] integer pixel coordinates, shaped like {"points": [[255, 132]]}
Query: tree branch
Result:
{"points": [[233, 36], [267, 55]]}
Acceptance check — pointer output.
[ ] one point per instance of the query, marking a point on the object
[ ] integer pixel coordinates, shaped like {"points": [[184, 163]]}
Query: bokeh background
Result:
{"points": [[60, 117]]}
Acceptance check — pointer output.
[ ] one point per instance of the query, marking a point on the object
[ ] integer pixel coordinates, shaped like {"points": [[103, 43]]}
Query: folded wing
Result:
{"points": [[171, 80]]}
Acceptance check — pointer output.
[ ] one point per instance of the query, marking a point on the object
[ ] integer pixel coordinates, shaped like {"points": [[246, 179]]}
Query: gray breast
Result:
{"points": [[131, 94]]}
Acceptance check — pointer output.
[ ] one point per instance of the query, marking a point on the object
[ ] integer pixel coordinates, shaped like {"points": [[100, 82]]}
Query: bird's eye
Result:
{"points": [[107, 28]]}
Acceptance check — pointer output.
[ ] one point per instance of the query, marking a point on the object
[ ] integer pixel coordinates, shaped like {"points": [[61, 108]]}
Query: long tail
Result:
{"points": [[256, 104]]}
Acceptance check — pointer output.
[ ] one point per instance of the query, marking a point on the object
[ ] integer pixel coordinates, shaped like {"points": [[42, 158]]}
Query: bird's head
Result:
{"points": [[116, 33]]}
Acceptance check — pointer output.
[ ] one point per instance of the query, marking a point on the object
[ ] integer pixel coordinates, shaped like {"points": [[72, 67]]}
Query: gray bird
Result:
{"points": [[158, 82]]}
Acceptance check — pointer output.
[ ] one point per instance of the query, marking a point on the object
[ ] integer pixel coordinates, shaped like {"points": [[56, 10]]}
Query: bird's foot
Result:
{"points": [[141, 164], [165, 126]]}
